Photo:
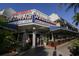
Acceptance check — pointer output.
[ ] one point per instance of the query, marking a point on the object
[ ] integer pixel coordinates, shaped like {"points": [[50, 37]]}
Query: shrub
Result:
{"points": [[75, 47]]}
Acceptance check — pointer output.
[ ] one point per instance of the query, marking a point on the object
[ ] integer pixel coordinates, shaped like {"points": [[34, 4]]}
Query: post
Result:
{"points": [[53, 39], [24, 38], [33, 39], [17, 37], [41, 39]]}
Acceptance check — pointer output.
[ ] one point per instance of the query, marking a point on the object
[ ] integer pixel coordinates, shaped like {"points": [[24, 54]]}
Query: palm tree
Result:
{"points": [[75, 6], [75, 45], [76, 19]]}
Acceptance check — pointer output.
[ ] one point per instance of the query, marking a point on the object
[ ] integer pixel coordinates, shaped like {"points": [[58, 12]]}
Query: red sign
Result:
{"points": [[23, 12]]}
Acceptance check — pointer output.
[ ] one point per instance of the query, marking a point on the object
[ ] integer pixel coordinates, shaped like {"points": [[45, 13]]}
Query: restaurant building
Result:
{"points": [[37, 28]]}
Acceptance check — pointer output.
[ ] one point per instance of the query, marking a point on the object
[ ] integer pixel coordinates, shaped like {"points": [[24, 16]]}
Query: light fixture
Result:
{"points": [[34, 28]]}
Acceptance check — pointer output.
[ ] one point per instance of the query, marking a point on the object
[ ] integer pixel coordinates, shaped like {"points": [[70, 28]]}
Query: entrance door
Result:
{"points": [[37, 39], [37, 42], [30, 39]]}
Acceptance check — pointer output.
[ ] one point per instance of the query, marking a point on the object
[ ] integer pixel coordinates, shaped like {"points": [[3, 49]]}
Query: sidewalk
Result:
{"points": [[61, 49], [61, 45]]}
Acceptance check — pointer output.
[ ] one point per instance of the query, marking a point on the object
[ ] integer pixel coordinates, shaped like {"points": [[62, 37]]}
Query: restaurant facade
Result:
{"points": [[37, 28]]}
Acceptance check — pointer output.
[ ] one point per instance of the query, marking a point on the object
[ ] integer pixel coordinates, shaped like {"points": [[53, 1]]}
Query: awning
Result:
{"points": [[55, 28], [9, 26], [13, 26]]}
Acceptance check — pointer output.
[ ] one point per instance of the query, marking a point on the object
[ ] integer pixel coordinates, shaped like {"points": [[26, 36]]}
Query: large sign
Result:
{"points": [[31, 16], [23, 12], [27, 16]]}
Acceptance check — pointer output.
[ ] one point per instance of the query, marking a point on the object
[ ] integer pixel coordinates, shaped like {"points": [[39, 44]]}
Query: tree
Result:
{"points": [[75, 44], [7, 37], [75, 48], [74, 6], [76, 16], [6, 40], [3, 20], [76, 19], [69, 6]]}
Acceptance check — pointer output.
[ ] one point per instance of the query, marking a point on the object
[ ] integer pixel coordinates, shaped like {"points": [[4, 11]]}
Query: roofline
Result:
{"points": [[64, 29]]}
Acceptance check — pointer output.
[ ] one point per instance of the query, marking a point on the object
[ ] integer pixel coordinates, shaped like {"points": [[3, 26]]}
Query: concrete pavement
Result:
{"points": [[45, 51], [41, 51]]}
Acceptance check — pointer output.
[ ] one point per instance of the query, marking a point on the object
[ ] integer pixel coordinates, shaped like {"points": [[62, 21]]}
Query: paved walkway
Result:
{"points": [[41, 51], [61, 50]]}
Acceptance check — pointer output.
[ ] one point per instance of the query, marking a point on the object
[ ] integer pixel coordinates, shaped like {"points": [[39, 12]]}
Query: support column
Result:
{"points": [[24, 38], [17, 37], [41, 39], [33, 39], [52, 37]]}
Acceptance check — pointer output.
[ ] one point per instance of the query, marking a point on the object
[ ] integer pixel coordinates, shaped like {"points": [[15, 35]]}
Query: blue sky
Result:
{"points": [[47, 8]]}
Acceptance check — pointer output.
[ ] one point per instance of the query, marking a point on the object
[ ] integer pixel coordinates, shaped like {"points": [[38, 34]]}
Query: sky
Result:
{"points": [[47, 8]]}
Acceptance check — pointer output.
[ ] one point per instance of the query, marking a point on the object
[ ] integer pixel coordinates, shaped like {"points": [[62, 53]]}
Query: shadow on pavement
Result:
{"points": [[38, 51], [60, 55], [54, 53]]}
